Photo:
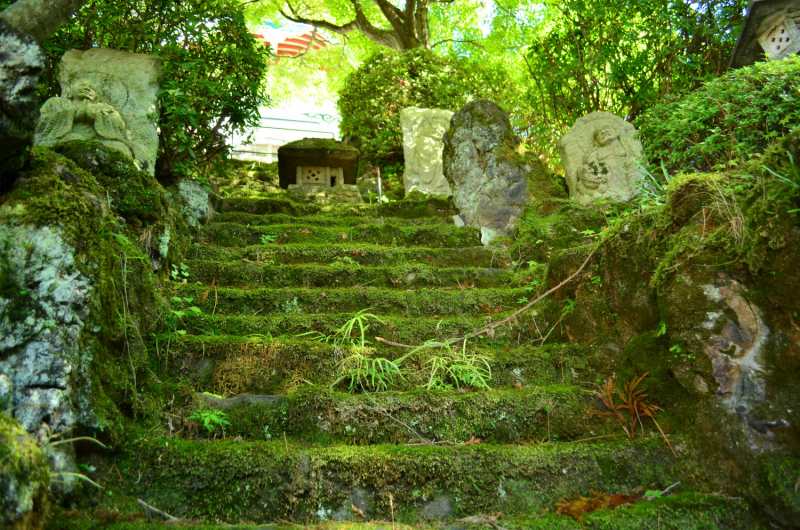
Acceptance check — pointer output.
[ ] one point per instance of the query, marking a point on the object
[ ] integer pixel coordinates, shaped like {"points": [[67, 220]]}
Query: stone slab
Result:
{"points": [[423, 132]]}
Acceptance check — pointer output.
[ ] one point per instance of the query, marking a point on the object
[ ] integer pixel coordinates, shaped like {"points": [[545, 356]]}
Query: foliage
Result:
{"points": [[620, 56], [211, 419], [367, 373], [345, 336], [576, 505], [456, 368], [212, 76], [633, 402], [792, 180], [726, 121], [373, 95]]}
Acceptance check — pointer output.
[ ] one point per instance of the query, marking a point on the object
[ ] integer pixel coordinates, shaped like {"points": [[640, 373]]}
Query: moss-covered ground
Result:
{"points": [[256, 305]]}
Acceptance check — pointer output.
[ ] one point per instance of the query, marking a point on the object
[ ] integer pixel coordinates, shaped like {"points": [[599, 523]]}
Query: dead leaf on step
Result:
{"points": [[357, 511], [575, 506], [489, 521], [473, 441]]}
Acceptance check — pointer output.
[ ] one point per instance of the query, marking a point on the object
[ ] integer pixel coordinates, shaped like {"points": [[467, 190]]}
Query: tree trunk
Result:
{"points": [[39, 18], [23, 27]]}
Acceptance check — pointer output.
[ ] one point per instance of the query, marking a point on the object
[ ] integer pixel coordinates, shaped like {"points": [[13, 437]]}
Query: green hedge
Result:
{"points": [[726, 121]]}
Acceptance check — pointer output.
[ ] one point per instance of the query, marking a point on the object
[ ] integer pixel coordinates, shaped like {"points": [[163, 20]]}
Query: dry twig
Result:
{"points": [[492, 326]]}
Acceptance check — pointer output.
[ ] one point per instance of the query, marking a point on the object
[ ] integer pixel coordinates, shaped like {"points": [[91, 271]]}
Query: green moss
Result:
{"points": [[258, 481], [343, 275], [531, 415], [425, 302], [24, 478], [234, 235], [356, 254], [687, 511]]}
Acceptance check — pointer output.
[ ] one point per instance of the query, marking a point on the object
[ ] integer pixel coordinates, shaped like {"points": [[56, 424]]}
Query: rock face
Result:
{"points": [[601, 158], [21, 62], [486, 170], [106, 95], [320, 162], [423, 132]]}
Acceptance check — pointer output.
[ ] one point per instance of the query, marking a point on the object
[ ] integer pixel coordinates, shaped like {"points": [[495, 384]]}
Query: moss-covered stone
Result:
{"points": [[234, 235], [261, 481], [24, 478]]}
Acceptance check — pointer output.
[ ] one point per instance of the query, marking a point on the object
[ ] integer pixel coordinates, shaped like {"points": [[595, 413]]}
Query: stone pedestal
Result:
{"points": [[317, 162], [109, 96], [423, 132]]}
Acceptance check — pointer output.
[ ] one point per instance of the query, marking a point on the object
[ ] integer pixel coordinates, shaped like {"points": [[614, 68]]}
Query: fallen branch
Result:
{"points": [[494, 325], [149, 511]]}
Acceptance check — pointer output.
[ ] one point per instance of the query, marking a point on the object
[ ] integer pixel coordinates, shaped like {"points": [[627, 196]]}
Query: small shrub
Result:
{"points": [[726, 121]]}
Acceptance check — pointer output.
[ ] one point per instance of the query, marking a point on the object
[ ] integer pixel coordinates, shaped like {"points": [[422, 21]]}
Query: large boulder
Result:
{"points": [[491, 175]]}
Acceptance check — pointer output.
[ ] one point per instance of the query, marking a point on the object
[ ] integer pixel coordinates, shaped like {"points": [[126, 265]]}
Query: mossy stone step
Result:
{"points": [[685, 511], [356, 254], [345, 275], [427, 303], [237, 235], [280, 204], [232, 365], [530, 416], [406, 330], [244, 218], [231, 481]]}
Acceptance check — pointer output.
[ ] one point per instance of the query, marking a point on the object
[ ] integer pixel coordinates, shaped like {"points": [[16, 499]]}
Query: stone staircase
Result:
{"points": [[314, 452]]}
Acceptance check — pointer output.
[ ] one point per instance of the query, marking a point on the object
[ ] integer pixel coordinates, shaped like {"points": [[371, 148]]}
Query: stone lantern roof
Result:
{"points": [[770, 32]]}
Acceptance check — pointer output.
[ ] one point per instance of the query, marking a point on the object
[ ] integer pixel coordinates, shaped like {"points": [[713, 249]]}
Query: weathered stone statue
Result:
{"points": [[80, 115], [602, 159], [423, 130], [109, 96]]}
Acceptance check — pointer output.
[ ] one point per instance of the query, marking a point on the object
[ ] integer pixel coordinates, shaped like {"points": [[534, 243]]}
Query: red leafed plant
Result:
{"points": [[633, 402], [575, 506]]}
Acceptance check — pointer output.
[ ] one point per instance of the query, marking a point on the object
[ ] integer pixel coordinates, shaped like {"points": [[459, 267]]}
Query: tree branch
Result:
{"points": [[495, 325], [40, 18]]}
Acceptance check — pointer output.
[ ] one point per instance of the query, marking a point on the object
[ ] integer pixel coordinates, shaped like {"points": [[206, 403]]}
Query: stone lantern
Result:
{"points": [[770, 32], [319, 169]]}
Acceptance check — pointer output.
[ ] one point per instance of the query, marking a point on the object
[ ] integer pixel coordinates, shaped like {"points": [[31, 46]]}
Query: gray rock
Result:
{"points": [[21, 63], [440, 508], [42, 316], [489, 178], [196, 197], [238, 402]]}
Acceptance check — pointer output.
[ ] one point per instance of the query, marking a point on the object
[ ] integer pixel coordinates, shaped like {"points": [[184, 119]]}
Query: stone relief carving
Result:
{"points": [[423, 130], [602, 159], [109, 96], [80, 115]]}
